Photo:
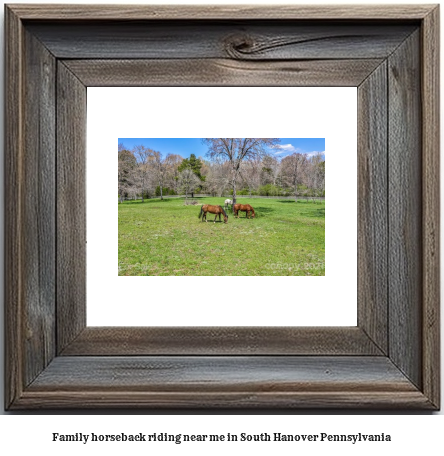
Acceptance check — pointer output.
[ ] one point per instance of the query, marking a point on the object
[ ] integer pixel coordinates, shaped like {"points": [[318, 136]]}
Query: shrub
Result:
{"points": [[165, 191], [270, 190]]}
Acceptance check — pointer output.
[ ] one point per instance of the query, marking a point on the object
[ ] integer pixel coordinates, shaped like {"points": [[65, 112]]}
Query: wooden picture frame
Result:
{"points": [[390, 360]]}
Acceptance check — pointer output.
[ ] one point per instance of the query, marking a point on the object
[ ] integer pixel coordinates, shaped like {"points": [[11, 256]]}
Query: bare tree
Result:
{"points": [[174, 162], [142, 155], [250, 173], [217, 178], [293, 168], [236, 151], [160, 168], [271, 168], [126, 172], [317, 173], [188, 181]]}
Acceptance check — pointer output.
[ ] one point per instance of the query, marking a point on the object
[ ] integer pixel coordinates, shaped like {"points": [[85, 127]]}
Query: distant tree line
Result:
{"points": [[233, 166]]}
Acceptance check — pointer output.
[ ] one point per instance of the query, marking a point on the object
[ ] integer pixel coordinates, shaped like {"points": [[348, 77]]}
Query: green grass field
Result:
{"points": [[167, 238]]}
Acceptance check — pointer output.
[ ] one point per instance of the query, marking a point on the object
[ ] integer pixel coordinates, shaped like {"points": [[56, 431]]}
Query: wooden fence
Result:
{"points": [[307, 198]]}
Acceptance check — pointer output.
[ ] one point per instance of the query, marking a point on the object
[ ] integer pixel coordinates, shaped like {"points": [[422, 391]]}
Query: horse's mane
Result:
{"points": [[225, 214]]}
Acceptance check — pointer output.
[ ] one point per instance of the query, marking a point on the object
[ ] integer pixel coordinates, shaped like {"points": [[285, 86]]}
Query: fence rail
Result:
{"points": [[317, 198]]}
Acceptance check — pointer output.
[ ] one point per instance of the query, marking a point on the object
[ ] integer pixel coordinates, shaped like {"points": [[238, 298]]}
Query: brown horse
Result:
{"points": [[244, 208], [218, 210]]}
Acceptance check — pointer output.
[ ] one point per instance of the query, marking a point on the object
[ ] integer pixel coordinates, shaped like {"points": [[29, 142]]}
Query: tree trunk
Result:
{"points": [[233, 181], [161, 193], [143, 186], [295, 191]]}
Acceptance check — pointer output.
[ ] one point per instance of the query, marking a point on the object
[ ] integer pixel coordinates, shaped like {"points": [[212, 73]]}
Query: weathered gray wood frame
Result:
{"points": [[390, 360]]}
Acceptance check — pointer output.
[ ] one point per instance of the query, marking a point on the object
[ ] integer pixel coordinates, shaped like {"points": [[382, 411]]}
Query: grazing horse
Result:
{"points": [[228, 202], [244, 208], [218, 210]]}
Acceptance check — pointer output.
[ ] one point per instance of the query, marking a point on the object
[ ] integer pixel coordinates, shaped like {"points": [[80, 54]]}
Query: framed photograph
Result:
{"points": [[60, 57]]}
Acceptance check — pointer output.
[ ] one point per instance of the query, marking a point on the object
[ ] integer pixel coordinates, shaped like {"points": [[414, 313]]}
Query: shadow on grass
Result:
{"points": [[263, 210], [259, 211], [299, 201], [158, 200], [317, 213], [212, 221], [126, 203], [148, 201]]}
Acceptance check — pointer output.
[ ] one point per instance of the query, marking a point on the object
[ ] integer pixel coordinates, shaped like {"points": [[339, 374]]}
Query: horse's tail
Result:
{"points": [[201, 212]]}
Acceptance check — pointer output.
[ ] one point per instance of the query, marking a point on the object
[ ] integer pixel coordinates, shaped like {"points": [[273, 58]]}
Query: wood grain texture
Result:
{"points": [[431, 206], [210, 373], [13, 209], [127, 341], [221, 72], [71, 206], [39, 207], [220, 12], [260, 40], [208, 381], [372, 207], [405, 209], [225, 400]]}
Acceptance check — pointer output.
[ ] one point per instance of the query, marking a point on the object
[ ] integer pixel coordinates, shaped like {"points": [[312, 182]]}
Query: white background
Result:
{"points": [[182, 112], [414, 433]]}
